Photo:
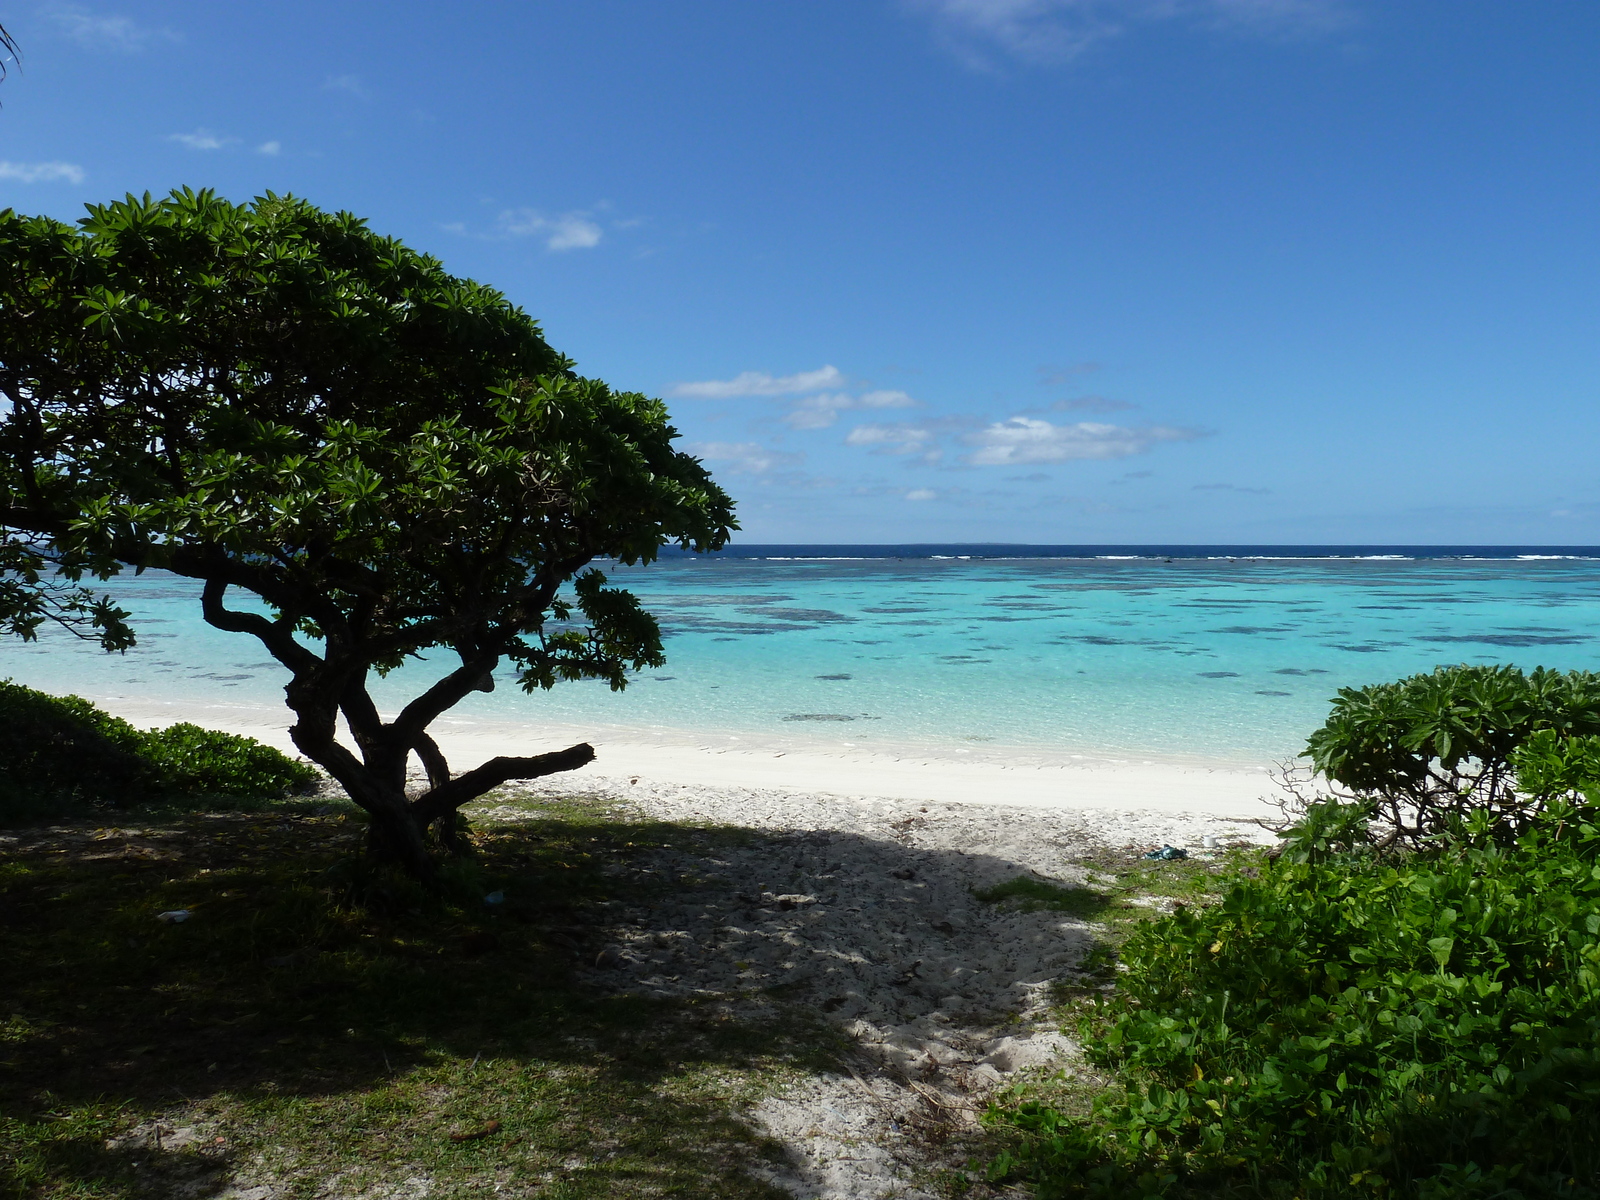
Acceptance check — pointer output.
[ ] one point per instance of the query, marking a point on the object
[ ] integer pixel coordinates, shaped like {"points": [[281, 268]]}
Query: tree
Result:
{"points": [[8, 45], [379, 458]]}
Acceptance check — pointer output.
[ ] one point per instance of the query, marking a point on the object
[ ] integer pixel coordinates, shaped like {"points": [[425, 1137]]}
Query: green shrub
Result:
{"points": [[200, 761], [61, 754], [1426, 752], [1353, 1024]]}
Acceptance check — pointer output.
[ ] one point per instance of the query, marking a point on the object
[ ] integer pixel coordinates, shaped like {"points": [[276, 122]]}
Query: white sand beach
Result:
{"points": [[978, 774]]}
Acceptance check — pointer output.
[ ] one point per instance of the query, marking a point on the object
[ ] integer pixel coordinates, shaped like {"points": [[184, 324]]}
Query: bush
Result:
{"points": [[1348, 1024], [200, 761], [1425, 753], [61, 753]]}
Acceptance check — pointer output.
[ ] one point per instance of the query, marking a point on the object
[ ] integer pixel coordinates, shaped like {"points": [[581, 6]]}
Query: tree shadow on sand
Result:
{"points": [[309, 1020]]}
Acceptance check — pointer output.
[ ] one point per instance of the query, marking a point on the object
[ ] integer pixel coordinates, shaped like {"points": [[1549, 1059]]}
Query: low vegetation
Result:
{"points": [[1404, 1002], [62, 755]]}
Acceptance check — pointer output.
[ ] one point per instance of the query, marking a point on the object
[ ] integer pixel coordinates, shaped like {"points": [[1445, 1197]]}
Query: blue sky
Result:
{"points": [[936, 270]]}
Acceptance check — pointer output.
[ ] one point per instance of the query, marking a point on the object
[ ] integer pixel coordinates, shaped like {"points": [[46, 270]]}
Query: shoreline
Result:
{"points": [[984, 775]]}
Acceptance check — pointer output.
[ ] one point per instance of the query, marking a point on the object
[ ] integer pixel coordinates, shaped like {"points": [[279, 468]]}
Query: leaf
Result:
{"points": [[488, 1127], [1441, 948]]}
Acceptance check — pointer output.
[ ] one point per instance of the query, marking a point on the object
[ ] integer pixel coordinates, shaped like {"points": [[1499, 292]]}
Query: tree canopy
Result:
{"points": [[276, 401]]}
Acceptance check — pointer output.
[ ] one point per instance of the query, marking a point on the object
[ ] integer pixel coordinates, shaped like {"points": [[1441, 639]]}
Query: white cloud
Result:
{"points": [[97, 32], [1023, 440], [895, 439], [567, 231], [742, 458], [922, 494], [271, 149], [759, 383], [201, 139], [1054, 31], [41, 172], [887, 400]]}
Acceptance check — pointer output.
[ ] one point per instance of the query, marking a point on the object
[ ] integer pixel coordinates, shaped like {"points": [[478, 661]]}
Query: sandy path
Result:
{"points": [[863, 909]]}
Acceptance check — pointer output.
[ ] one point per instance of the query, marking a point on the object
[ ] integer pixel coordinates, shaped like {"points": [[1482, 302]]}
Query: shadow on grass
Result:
{"points": [[313, 1027], [286, 1030], [1038, 895]]}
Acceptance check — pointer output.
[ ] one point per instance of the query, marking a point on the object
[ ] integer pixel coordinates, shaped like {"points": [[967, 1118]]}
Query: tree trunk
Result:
{"points": [[398, 830]]}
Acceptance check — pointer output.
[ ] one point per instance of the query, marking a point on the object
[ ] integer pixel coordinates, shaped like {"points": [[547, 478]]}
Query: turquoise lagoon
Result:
{"points": [[1217, 653]]}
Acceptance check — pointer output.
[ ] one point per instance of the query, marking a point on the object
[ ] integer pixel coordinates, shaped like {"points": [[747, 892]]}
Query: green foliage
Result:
{"points": [[209, 762], [414, 448], [61, 753], [1427, 752], [1348, 1024]]}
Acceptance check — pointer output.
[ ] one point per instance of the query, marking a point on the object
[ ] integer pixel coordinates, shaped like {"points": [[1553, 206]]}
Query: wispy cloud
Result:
{"points": [[759, 383], [565, 231], [1098, 404], [1056, 376], [922, 494], [104, 31], [741, 458], [202, 139], [271, 149], [1232, 487], [1022, 440], [350, 84], [41, 172], [821, 411], [1057, 31]]}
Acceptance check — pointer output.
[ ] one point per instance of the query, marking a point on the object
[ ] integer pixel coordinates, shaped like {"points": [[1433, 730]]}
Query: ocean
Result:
{"points": [[1227, 654]]}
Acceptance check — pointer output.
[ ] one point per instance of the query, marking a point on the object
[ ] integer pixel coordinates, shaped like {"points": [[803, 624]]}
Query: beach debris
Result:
{"points": [[1167, 854], [495, 898], [176, 916], [473, 1135], [1210, 842]]}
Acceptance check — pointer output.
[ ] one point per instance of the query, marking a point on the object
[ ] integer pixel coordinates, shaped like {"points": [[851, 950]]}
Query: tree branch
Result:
{"points": [[415, 717], [277, 638], [467, 787]]}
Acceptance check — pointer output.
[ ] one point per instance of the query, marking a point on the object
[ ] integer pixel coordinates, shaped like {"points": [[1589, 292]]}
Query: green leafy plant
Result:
{"points": [[1427, 752], [381, 458], [207, 761], [57, 752], [1348, 1025], [60, 753]]}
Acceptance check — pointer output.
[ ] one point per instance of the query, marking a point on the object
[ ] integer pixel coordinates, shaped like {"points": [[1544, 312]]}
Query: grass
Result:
{"points": [[1027, 894], [1124, 886], [314, 1026]]}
